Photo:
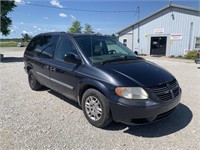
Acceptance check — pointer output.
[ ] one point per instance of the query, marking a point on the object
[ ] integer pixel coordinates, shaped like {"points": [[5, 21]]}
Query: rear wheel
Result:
{"points": [[96, 109], [33, 83]]}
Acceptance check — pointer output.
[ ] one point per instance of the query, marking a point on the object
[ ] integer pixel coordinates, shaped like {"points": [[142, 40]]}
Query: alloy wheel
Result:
{"points": [[93, 108]]}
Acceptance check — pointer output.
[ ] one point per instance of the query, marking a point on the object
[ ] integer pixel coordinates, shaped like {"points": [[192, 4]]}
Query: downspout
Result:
{"points": [[190, 36]]}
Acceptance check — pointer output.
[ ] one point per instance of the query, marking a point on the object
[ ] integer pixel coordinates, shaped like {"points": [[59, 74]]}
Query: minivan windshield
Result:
{"points": [[103, 49]]}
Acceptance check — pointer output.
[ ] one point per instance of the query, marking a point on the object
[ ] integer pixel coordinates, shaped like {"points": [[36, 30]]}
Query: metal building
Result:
{"points": [[171, 31]]}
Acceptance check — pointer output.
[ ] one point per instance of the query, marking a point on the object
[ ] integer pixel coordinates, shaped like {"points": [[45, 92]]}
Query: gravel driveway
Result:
{"points": [[47, 120]]}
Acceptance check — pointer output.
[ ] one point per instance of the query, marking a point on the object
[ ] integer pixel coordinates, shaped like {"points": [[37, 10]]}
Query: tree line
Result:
{"points": [[77, 28]]}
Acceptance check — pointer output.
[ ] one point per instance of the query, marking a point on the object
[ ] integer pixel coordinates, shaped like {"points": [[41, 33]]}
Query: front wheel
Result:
{"points": [[96, 109]]}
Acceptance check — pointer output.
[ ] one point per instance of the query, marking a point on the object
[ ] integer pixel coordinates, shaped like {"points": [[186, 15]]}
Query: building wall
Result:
{"points": [[179, 23], [127, 34]]}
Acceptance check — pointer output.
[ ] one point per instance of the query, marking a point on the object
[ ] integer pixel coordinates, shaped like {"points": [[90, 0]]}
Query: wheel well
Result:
{"points": [[82, 91], [85, 88]]}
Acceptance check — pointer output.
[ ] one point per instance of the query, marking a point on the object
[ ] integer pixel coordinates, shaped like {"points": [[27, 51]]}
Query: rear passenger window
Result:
{"points": [[49, 45], [64, 46]]}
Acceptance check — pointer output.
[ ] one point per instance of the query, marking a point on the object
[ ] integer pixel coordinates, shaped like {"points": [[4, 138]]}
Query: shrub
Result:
{"points": [[179, 56], [191, 54], [172, 56]]}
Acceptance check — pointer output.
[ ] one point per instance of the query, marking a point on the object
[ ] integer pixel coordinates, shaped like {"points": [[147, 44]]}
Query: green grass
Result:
{"points": [[8, 44]]}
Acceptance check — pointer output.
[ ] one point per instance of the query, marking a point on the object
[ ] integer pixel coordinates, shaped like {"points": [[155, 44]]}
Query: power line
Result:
{"points": [[84, 10]]}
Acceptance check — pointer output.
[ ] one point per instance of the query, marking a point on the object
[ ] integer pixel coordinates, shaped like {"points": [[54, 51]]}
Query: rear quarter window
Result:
{"points": [[42, 46], [31, 48]]}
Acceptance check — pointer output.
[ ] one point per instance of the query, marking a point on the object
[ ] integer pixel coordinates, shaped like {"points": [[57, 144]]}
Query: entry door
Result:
{"points": [[158, 46], [63, 74]]}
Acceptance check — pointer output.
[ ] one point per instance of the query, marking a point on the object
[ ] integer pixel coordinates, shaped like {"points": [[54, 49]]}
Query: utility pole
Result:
{"points": [[170, 6], [138, 40], [138, 11], [170, 2]]}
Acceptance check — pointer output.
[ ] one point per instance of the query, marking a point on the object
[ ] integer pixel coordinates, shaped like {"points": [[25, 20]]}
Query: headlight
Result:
{"points": [[131, 92]]}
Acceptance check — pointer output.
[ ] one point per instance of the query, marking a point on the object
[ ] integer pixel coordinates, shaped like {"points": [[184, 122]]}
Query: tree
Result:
{"points": [[98, 33], [6, 7], [26, 37], [114, 36], [76, 27], [88, 29]]}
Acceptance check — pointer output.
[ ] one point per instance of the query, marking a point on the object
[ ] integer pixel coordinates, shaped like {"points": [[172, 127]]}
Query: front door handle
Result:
{"points": [[53, 69]]}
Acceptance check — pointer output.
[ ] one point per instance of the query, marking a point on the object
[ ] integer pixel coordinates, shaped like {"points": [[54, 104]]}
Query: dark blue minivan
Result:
{"points": [[109, 81]]}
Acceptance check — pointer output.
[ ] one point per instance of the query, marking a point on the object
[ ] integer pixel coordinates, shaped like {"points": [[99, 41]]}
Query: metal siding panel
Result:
{"points": [[129, 39]]}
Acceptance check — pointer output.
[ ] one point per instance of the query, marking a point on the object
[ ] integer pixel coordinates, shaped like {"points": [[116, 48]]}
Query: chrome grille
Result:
{"points": [[168, 91]]}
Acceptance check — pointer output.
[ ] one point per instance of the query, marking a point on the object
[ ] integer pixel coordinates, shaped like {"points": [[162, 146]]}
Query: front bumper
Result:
{"points": [[142, 112]]}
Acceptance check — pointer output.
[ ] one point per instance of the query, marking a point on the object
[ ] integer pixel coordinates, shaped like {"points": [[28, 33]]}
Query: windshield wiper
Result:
{"points": [[122, 58]]}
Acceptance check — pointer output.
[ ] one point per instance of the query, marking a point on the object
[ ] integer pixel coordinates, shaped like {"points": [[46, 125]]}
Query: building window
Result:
{"points": [[197, 43], [125, 42]]}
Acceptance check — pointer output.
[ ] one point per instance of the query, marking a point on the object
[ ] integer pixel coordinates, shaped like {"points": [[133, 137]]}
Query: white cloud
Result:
{"points": [[56, 3], [46, 18], [34, 27], [19, 1], [99, 29], [11, 30], [14, 26], [39, 29], [21, 23], [72, 17], [62, 15], [24, 32]]}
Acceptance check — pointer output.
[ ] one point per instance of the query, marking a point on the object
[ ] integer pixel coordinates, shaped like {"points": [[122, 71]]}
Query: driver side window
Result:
{"points": [[64, 47]]}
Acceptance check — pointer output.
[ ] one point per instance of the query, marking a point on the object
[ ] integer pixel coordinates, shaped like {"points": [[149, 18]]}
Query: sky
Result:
{"points": [[105, 16]]}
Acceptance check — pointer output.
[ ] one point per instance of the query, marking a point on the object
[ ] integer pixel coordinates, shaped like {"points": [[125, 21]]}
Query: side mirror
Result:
{"points": [[72, 58], [136, 53]]}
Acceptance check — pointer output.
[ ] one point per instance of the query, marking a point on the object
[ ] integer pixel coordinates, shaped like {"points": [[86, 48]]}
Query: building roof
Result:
{"points": [[157, 12]]}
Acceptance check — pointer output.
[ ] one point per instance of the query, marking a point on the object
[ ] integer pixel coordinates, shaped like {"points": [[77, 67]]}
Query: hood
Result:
{"points": [[141, 72]]}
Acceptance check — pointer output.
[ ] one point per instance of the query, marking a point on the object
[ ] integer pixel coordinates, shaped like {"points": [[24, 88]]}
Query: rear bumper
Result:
{"points": [[142, 114], [25, 67]]}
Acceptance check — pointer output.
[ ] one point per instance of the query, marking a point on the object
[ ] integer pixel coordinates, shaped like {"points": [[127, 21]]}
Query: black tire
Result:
{"points": [[103, 118], [33, 83]]}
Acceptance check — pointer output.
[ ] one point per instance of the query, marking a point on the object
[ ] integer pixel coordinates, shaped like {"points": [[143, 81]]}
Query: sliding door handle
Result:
{"points": [[46, 67], [52, 69]]}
